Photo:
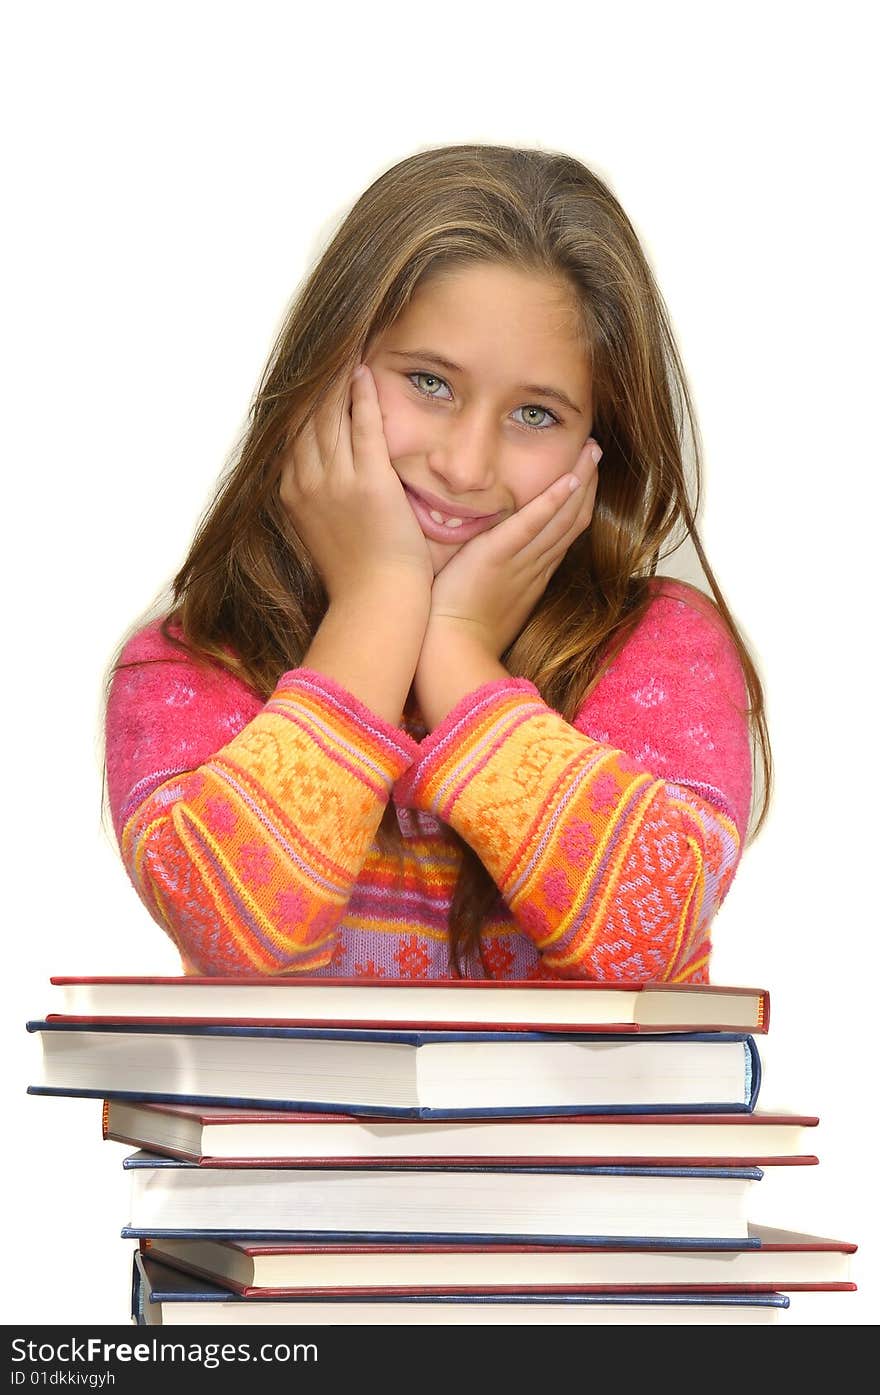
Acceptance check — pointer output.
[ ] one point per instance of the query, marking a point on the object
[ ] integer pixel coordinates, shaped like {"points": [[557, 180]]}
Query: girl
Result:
{"points": [[421, 704]]}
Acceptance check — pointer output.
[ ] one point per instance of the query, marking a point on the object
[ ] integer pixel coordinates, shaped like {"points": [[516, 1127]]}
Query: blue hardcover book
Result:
{"points": [[473, 1204], [162, 1295], [425, 1075]]}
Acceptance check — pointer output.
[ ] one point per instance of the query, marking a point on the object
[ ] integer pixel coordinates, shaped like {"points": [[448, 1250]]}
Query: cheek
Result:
{"points": [[527, 482], [399, 422]]}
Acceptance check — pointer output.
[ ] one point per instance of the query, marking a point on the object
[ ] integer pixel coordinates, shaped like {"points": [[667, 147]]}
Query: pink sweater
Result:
{"points": [[248, 827]]}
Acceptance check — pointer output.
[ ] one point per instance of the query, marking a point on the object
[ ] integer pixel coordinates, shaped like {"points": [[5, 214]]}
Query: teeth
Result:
{"points": [[450, 522]]}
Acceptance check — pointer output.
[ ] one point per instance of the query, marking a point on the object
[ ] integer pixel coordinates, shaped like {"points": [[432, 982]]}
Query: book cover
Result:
{"points": [[786, 1261], [201, 1133], [546, 1005], [407, 1074]]}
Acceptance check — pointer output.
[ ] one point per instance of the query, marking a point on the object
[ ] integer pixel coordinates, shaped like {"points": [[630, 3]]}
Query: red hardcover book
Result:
{"points": [[785, 1260], [430, 1004], [255, 1137]]}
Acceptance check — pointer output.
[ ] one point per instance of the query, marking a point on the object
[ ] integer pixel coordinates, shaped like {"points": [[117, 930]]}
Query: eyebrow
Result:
{"points": [[451, 367]]}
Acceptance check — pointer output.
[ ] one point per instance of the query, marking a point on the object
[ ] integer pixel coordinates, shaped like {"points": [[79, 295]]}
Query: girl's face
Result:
{"points": [[466, 426]]}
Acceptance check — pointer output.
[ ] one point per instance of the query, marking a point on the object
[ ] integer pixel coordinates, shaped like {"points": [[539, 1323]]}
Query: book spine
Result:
{"points": [[755, 1072]]}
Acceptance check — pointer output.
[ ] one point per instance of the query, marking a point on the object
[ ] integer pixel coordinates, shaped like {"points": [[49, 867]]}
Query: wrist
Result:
{"points": [[369, 644], [402, 594], [448, 636], [453, 662]]}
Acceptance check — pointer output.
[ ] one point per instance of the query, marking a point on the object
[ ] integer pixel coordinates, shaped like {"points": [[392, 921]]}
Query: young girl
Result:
{"points": [[421, 704]]}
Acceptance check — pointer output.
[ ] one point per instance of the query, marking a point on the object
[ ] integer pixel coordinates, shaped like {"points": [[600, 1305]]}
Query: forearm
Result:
{"points": [[244, 825], [249, 860], [370, 645], [610, 870], [613, 838], [451, 664]]}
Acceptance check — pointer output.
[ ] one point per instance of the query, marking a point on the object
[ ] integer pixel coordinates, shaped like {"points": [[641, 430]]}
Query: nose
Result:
{"points": [[465, 455]]}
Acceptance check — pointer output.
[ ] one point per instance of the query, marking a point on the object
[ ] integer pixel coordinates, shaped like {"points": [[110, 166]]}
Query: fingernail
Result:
{"points": [[595, 454], [360, 371]]}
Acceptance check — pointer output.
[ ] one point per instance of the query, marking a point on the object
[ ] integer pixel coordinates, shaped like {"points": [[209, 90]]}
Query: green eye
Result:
{"points": [[529, 407], [533, 407], [433, 376]]}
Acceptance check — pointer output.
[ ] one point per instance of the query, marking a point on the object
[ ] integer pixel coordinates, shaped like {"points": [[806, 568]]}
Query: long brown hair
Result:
{"points": [[248, 595]]}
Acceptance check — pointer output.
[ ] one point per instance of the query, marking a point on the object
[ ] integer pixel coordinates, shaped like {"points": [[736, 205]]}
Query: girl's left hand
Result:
{"points": [[493, 583]]}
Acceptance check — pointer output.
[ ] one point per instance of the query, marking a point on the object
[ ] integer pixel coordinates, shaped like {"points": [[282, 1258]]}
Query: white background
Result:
{"points": [[173, 170]]}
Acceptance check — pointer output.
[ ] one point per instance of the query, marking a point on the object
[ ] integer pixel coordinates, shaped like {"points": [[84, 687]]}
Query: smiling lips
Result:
{"points": [[446, 511], [447, 528]]}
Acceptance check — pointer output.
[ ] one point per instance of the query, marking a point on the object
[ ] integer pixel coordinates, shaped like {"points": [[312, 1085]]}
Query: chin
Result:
{"points": [[441, 553]]}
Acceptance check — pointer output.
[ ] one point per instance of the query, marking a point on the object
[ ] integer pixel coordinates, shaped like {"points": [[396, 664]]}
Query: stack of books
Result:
{"points": [[329, 1151]]}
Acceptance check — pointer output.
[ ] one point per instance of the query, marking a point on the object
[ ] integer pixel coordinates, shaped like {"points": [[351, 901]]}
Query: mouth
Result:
{"points": [[456, 532]]}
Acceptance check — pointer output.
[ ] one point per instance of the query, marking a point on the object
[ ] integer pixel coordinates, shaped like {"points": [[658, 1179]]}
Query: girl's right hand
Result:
{"points": [[346, 501]]}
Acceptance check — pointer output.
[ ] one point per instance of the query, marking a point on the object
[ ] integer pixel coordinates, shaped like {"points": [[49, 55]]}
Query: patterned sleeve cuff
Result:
{"points": [[463, 742], [388, 748]]}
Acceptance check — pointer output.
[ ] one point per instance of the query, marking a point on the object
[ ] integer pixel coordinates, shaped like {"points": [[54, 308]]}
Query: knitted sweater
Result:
{"points": [[248, 827]]}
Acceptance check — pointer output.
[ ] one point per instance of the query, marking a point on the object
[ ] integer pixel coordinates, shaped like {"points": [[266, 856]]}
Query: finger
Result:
{"points": [[368, 445], [310, 456], [562, 524], [586, 473], [332, 422], [301, 468], [586, 499], [555, 514], [572, 519]]}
